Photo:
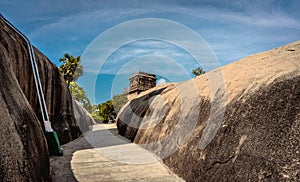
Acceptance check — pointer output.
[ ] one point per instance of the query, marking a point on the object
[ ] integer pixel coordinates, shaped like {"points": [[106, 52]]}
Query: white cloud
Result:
{"points": [[274, 20], [234, 29], [156, 64], [255, 13], [161, 81], [239, 15]]}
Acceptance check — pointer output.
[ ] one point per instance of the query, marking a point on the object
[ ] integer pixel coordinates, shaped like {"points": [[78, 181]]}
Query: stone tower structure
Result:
{"points": [[140, 82]]}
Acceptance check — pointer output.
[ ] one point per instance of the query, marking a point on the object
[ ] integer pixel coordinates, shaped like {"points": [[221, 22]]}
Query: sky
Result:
{"points": [[117, 38]]}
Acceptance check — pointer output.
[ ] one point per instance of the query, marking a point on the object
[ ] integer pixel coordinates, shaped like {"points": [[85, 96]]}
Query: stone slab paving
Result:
{"points": [[103, 155]]}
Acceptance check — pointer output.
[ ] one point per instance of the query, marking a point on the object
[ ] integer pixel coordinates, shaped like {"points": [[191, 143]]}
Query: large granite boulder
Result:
{"points": [[23, 148], [237, 123], [24, 153], [58, 98]]}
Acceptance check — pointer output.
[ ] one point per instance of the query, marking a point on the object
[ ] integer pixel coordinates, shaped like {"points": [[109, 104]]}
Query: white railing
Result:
{"points": [[36, 77]]}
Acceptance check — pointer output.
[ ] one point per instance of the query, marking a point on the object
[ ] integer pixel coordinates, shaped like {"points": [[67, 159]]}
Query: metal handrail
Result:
{"points": [[36, 76]]}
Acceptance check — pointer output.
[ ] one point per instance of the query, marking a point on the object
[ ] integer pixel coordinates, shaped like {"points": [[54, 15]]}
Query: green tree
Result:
{"points": [[118, 101], [105, 111], [108, 110], [79, 94], [71, 68], [95, 114], [198, 71]]}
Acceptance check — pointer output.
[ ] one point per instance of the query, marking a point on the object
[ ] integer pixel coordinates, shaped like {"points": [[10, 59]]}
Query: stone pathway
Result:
{"points": [[103, 155]]}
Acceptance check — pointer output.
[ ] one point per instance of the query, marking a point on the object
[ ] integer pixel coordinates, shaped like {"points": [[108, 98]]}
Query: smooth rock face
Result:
{"points": [[82, 117], [58, 98], [238, 123], [24, 153]]}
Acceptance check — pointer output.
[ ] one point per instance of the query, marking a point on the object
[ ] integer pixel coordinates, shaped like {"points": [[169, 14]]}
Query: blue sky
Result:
{"points": [[232, 29]]}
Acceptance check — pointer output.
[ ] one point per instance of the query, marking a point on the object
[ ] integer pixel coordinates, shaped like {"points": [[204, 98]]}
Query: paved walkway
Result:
{"points": [[102, 155]]}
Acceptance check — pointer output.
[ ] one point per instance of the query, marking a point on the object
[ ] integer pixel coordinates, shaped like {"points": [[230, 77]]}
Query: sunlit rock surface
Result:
{"points": [[238, 123]]}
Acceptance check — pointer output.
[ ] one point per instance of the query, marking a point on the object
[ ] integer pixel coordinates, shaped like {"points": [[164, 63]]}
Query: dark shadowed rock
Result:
{"points": [[247, 129], [58, 98], [24, 153]]}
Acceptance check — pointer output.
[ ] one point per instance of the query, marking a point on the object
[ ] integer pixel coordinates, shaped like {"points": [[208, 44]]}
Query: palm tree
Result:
{"points": [[71, 68]]}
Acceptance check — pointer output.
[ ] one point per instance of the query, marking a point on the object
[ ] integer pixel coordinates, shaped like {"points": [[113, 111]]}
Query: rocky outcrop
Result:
{"points": [[24, 152], [82, 116], [57, 96], [238, 123]]}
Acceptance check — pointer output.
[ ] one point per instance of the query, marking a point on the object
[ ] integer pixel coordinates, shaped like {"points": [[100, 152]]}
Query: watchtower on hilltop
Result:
{"points": [[140, 82]]}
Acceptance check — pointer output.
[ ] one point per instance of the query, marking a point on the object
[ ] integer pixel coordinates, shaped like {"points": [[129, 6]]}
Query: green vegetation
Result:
{"points": [[118, 101], [95, 114], [198, 71], [71, 68], [108, 110], [79, 94]]}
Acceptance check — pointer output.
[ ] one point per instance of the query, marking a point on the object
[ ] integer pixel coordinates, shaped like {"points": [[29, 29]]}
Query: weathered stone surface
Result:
{"points": [[246, 130], [82, 117], [23, 149], [24, 153], [58, 98]]}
